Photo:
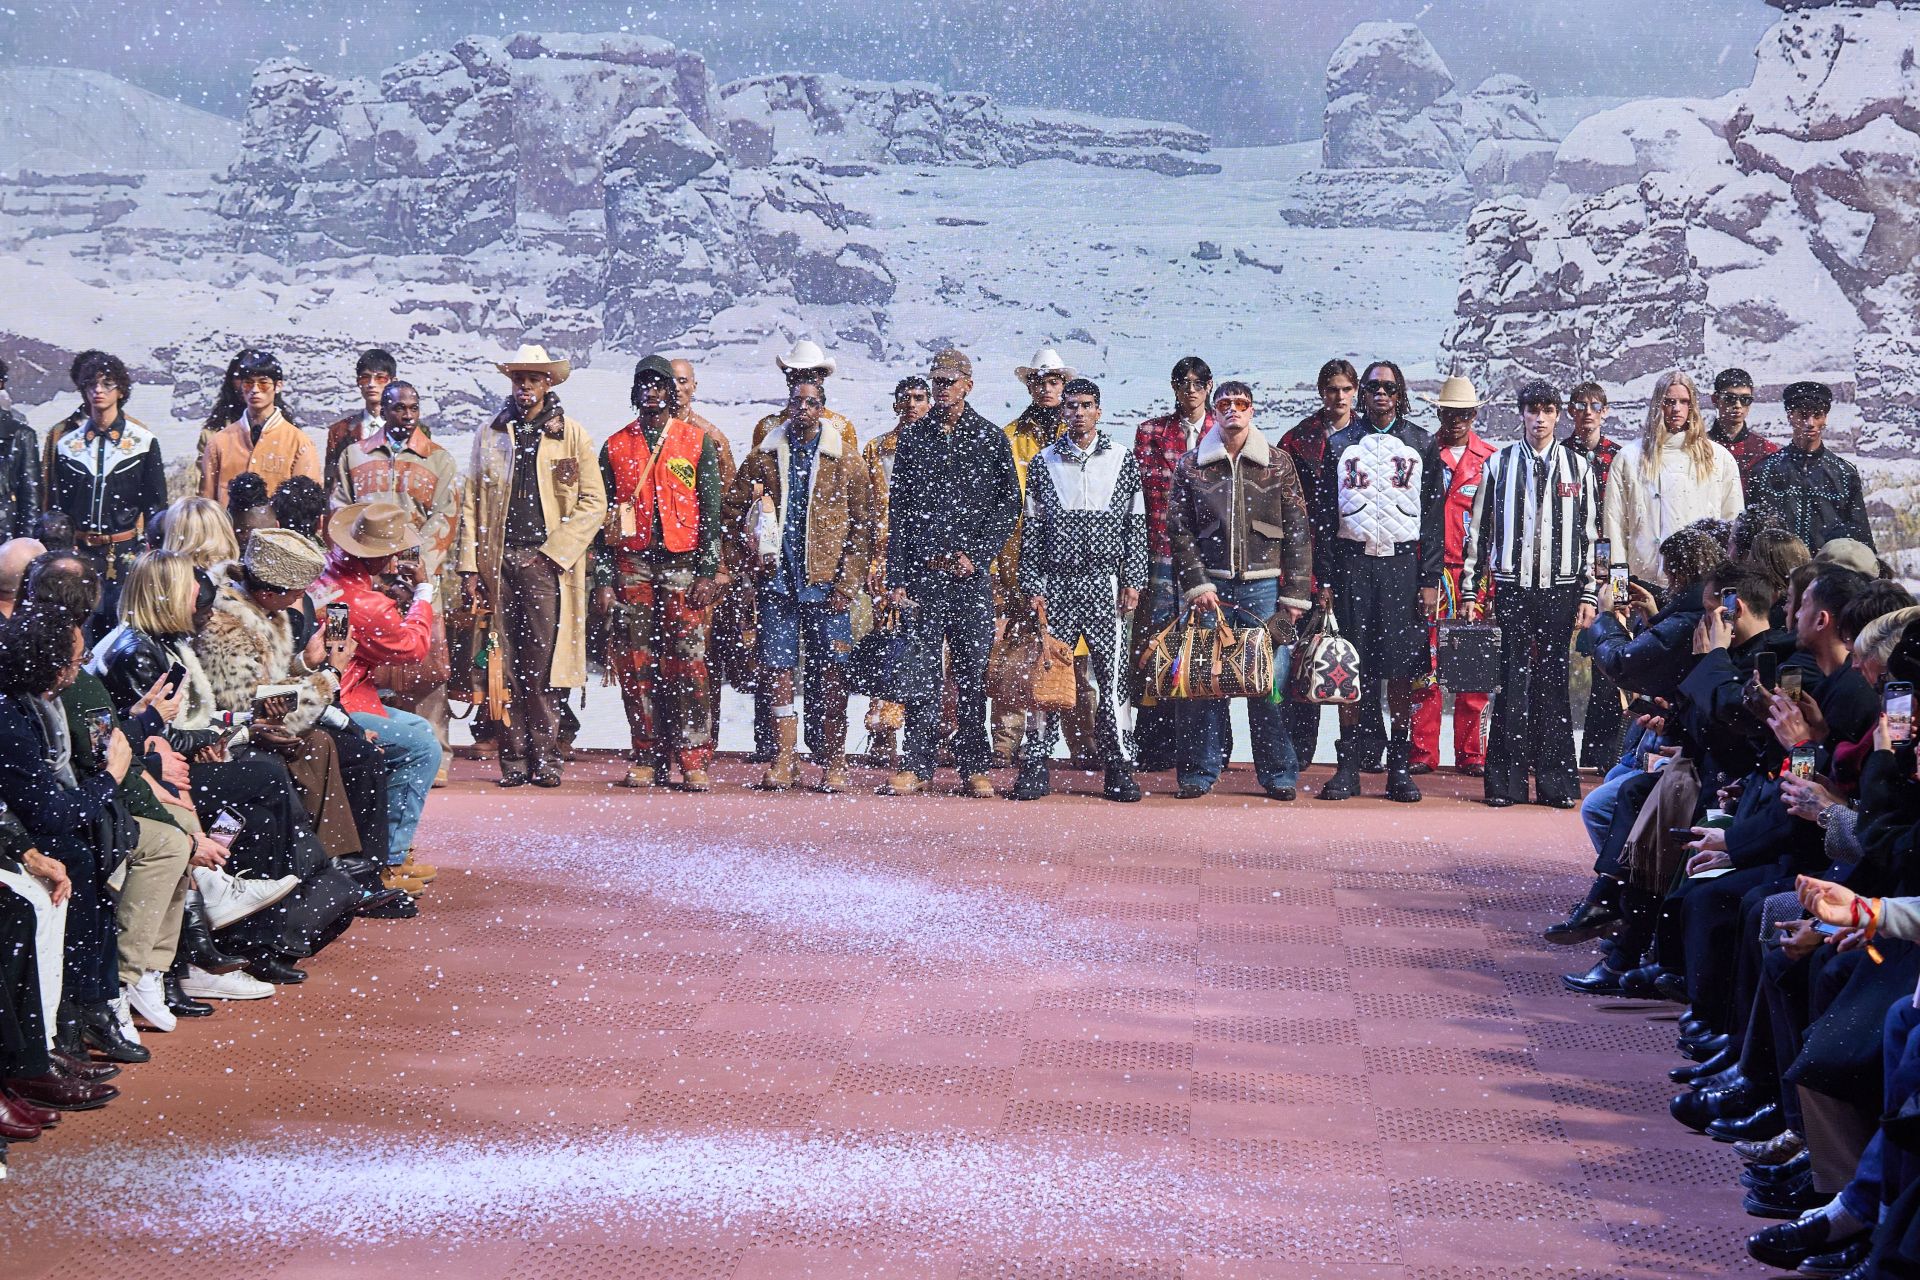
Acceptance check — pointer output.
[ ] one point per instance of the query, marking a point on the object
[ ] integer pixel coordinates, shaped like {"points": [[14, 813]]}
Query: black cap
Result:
{"points": [[1807, 397], [654, 367], [1538, 392], [1731, 378]]}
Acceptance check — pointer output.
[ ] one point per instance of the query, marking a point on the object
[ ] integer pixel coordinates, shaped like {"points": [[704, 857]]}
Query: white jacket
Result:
{"points": [[1642, 511]]}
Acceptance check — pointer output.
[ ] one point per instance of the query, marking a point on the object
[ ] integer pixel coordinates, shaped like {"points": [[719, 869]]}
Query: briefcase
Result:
{"points": [[1468, 655]]}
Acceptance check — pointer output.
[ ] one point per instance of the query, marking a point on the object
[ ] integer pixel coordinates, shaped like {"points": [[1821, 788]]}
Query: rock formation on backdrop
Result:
{"points": [[1403, 149], [1775, 228]]}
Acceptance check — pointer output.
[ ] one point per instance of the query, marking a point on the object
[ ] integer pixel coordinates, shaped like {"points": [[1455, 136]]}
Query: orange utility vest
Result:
{"points": [[644, 481]]}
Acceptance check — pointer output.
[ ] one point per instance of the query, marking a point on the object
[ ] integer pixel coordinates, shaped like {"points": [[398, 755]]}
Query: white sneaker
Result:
{"points": [[229, 898], [238, 985], [148, 999], [124, 1016]]}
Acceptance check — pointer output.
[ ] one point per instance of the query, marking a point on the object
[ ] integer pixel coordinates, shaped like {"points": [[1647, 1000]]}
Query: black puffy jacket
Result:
{"points": [[1660, 657]]}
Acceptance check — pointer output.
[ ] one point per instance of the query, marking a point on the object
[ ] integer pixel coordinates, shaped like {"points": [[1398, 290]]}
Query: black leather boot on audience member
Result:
{"points": [[1345, 782], [100, 1028], [196, 939], [1601, 980], [1598, 913], [179, 1002]]}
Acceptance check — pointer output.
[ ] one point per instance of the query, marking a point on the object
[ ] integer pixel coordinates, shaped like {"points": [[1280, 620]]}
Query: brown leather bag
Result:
{"points": [[1030, 668], [1187, 660]]}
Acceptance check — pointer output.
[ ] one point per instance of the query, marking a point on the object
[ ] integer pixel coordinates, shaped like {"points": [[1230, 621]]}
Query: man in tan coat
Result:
{"points": [[533, 503], [261, 439]]}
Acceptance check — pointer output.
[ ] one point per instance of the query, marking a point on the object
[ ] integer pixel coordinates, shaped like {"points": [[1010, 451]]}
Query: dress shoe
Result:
{"points": [[379, 899], [639, 777], [1642, 983], [83, 1068], [1782, 1147], [1601, 980], [1788, 1245], [1285, 795], [1841, 1261], [275, 970], [1788, 1200], [100, 1028], [1119, 786], [231, 899], [1691, 1026], [1587, 921], [60, 1093], [979, 786], [14, 1124], [904, 783], [1558, 802], [1497, 802], [182, 1004], [1190, 791], [401, 907], [1762, 1123], [1698, 1108], [1671, 986], [547, 775], [25, 1112], [1419, 768], [1772, 1175], [1694, 1073], [695, 780], [196, 939], [224, 986], [515, 778], [1865, 1271], [1705, 1047], [1032, 783], [1720, 1079], [1472, 771]]}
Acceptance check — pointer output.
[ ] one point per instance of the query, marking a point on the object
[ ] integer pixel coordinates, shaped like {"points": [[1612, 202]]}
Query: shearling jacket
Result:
{"points": [[244, 647], [1643, 509], [839, 508], [1240, 518]]}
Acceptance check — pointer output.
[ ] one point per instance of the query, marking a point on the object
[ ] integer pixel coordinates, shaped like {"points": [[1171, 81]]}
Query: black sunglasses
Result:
{"points": [[1378, 387], [1736, 397]]}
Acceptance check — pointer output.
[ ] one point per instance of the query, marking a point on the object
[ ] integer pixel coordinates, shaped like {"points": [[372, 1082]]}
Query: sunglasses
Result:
{"points": [[1233, 402], [255, 384], [940, 383], [1379, 387], [1732, 397], [1588, 406], [809, 402], [1190, 381]]}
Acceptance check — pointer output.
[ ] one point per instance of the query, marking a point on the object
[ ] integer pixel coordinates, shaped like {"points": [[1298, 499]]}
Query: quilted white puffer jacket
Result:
{"points": [[1377, 481]]}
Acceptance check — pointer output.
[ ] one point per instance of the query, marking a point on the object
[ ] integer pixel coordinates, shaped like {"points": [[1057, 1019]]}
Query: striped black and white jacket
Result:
{"points": [[1523, 543]]}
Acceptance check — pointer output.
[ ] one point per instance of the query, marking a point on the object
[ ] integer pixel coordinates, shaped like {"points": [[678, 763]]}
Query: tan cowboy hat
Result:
{"points": [[806, 354], [373, 529], [1045, 360], [532, 355], [1456, 393]]}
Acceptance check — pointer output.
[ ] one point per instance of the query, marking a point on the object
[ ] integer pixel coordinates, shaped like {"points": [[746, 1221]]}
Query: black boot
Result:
{"points": [[1120, 785], [1598, 913], [100, 1028], [1400, 783], [1033, 781], [196, 940], [67, 1039], [1345, 782], [182, 1005], [275, 970]]}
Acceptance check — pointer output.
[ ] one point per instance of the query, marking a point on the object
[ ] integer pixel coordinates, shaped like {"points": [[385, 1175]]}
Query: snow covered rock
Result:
{"points": [[1408, 199], [1624, 145], [1509, 166], [64, 120], [840, 120]]}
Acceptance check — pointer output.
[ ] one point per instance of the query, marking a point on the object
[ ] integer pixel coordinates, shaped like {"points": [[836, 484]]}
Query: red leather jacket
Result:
{"points": [[1463, 481], [381, 636]]}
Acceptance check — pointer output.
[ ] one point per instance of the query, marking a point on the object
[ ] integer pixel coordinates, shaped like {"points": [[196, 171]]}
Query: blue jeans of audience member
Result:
{"points": [[1597, 810], [1201, 725], [412, 753]]}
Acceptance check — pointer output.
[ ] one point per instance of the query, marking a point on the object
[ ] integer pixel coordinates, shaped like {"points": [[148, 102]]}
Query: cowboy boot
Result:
{"points": [[779, 774], [196, 939], [1345, 782], [1400, 784]]}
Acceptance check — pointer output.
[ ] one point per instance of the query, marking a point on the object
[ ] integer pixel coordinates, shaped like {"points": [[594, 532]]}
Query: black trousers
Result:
{"points": [[1711, 923], [364, 771], [23, 1032], [1600, 737], [952, 623], [1532, 729]]}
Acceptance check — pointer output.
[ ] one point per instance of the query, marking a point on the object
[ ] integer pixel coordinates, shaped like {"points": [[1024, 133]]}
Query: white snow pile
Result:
{"points": [[366, 1188], [1402, 148], [1774, 228], [65, 120], [845, 122]]}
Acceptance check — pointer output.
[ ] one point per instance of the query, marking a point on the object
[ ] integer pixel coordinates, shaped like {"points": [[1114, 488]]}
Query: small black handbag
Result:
{"points": [[1468, 655]]}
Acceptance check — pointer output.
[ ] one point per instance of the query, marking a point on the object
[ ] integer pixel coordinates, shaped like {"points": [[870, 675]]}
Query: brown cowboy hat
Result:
{"points": [[372, 530]]}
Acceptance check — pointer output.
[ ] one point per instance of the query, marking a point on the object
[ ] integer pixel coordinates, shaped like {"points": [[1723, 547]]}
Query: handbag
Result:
{"points": [[1188, 660], [879, 660], [1326, 666], [1467, 655], [1030, 668]]}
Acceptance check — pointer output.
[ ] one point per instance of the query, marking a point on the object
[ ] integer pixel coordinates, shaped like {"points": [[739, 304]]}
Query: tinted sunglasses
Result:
{"points": [[1733, 397], [1588, 406], [1380, 387], [1233, 402]]}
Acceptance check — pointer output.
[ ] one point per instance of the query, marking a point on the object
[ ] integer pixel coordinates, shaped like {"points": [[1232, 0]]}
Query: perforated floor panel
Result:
{"points": [[739, 1036]]}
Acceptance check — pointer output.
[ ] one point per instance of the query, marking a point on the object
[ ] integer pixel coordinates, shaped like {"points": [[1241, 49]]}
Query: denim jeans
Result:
{"points": [[1201, 725], [412, 753]]}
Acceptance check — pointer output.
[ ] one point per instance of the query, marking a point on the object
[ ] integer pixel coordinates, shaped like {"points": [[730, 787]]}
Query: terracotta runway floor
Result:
{"points": [[738, 1036]]}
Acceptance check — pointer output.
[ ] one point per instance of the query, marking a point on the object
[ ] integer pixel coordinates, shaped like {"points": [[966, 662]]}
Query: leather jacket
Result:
{"points": [[128, 662], [19, 475]]}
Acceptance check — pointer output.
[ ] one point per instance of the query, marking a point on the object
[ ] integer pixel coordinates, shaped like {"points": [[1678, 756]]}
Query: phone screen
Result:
{"points": [[1790, 681], [100, 730], [337, 616], [1767, 667], [1802, 763], [225, 826], [1898, 701], [1730, 601], [1602, 557]]}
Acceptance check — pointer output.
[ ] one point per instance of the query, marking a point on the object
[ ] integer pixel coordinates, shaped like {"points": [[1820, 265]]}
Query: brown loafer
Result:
{"points": [[980, 787], [62, 1094]]}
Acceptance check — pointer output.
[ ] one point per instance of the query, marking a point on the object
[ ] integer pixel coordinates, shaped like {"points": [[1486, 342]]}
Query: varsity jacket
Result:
{"points": [[1510, 528], [106, 483], [1387, 486], [1085, 515], [1816, 495]]}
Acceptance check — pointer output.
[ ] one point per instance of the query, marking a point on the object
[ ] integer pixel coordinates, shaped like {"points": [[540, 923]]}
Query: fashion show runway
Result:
{"points": [[738, 1036]]}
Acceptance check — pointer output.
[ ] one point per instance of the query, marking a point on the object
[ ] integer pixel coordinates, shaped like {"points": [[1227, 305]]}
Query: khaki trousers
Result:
{"points": [[151, 898]]}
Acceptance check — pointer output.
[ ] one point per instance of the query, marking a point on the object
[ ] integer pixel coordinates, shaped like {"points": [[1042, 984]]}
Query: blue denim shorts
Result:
{"points": [[829, 634]]}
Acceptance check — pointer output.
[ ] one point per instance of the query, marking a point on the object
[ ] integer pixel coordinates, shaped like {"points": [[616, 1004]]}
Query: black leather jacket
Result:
{"points": [[128, 664], [19, 476]]}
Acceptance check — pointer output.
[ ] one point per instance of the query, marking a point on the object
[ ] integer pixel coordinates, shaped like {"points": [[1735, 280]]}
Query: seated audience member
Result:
{"points": [[199, 529], [248, 507]]}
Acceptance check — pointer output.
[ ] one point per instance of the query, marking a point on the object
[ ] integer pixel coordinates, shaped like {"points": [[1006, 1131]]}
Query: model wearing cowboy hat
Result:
{"points": [[533, 503]]}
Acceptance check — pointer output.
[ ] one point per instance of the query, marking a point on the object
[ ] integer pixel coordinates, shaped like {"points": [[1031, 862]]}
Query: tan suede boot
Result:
{"points": [[780, 774]]}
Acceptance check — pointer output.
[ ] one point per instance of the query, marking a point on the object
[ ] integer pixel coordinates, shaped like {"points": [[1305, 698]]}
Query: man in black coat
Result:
{"points": [[1806, 487], [951, 506], [19, 469]]}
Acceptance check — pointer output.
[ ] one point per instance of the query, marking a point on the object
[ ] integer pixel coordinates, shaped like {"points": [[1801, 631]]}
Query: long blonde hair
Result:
{"points": [[199, 529], [159, 594], [1653, 438]]}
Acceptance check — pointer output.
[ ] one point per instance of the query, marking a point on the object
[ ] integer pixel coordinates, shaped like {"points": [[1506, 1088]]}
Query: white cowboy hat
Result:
{"points": [[534, 356], [806, 354], [1045, 360], [1456, 393]]}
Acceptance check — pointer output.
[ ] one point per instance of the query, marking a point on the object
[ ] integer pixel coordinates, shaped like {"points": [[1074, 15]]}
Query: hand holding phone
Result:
{"points": [[1897, 702], [1767, 667], [339, 618]]}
